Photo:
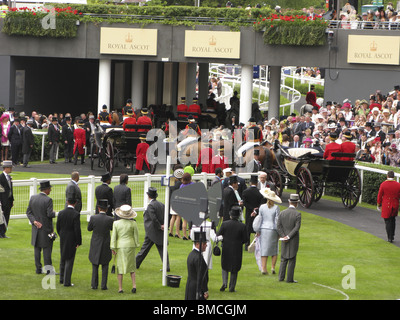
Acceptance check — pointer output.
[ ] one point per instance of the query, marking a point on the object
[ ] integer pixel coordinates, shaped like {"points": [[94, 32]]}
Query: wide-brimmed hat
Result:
{"points": [[347, 135], [45, 185], [270, 195], [178, 173], [152, 193], [307, 140], [294, 197], [125, 212]]}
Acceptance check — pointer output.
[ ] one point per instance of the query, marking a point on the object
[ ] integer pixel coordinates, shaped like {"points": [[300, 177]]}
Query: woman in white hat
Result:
{"points": [[268, 234], [124, 241]]}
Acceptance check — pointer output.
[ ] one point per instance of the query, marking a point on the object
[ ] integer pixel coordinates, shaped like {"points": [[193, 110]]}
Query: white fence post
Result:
{"points": [[33, 187], [90, 196], [147, 185]]}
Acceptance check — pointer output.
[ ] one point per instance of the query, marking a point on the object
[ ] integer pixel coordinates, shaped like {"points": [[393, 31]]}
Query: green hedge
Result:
{"points": [[303, 87]]}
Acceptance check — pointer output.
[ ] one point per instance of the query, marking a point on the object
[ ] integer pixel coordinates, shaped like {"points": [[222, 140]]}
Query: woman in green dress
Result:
{"points": [[124, 241]]}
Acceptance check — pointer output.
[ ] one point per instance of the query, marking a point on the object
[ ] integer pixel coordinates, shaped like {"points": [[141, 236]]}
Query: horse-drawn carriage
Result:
{"points": [[112, 145], [314, 174]]}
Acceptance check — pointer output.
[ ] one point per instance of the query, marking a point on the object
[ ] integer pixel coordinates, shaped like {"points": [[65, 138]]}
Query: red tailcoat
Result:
{"points": [[80, 140], [217, 162], [348, 147], [144, 120], [141, 157], [205, 158], [195, 108], [388, 198], [330, 148], [129, 120], [182, 108]]}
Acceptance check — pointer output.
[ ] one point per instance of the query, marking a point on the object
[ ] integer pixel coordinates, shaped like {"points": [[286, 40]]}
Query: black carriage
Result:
{"points": [[313, 175], [112, 146]]}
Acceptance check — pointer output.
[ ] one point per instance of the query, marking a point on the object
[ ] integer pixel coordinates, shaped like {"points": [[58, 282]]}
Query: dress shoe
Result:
{"points": [[294, 281], [94, 288], [133, 290], [104, 288], [69, 285], [222, 288]]}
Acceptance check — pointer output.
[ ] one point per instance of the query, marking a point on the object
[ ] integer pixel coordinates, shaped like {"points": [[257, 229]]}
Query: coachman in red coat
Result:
{"points": [[388, 202], [332, 147], [80, 142], [141, 157], [205, 159]]}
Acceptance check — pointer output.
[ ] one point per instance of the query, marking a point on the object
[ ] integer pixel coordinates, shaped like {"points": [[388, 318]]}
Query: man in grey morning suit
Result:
{"points": [[288, 227], [122, 193], [40, 213], [74, 192], [153, 219]]}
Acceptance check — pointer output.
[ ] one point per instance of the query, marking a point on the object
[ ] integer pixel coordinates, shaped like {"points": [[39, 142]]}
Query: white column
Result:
{"points": [[103, 96], [246, 93], [137, 84], [274, 92]]}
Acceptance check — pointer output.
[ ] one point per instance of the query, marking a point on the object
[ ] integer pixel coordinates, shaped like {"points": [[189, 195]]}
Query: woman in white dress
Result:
{"points": [[268, 235]]}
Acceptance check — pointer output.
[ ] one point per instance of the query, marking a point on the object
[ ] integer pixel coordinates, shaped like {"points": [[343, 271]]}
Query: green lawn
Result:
{"points": [[325, 248]]}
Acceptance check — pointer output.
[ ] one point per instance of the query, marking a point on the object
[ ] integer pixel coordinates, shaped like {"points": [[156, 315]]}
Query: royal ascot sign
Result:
{"points": [[373, 49], [212, 44], [129, 41]]}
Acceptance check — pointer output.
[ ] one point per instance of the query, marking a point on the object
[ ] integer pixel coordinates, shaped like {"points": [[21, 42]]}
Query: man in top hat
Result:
{"points": [[182, 107], [142, 162], [129, 119], [104, 116], [195, 108], [122, 193], [80, 143], [15, 137], [378, 132], [104, 191], [288, 226], [153, 220], [6, 195], [332, 147], [126, 109], [192, 129], [40, 214], [256, 164], [54, 136], [68, 138], [252, 200], [144, 119], [234, 235], [100, 253], [253, 136], [197, 279], [229, 197], [347, 146], [69, 230], [388, 203], [28, 141]]}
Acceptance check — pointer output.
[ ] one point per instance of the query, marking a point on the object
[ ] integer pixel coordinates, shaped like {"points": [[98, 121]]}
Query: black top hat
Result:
{"points": [[253, 178], [105, 177], [200, 236], [252, 119], [102, 203], [396, 88], [233, 179], [152, 193], [235, 212], [129, 101], [104, 107], [45, 185]]}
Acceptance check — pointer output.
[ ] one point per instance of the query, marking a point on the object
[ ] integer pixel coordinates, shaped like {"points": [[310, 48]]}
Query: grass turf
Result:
{"points": [[325, 248]]}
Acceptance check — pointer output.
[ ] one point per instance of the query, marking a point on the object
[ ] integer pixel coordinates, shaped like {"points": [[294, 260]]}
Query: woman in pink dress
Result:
{"points": [[5, 143]]}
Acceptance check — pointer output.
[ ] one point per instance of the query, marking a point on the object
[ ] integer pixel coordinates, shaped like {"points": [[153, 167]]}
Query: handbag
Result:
{"points": [[252, 247], [216, 250], [257, 223]]}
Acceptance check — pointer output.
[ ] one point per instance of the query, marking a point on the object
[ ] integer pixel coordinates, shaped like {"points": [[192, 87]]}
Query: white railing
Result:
{"points": [[230, 76], [24, 189]]}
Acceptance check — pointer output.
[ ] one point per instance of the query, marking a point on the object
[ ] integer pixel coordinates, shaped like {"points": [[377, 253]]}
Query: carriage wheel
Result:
{"points": [[110, 157], [351, 189], [305, 187], [318, 190], [274, 176]]}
